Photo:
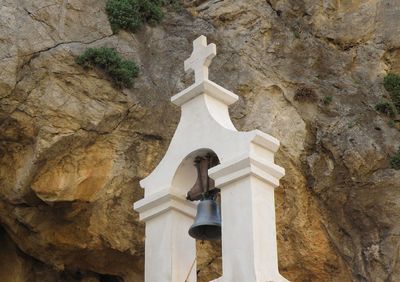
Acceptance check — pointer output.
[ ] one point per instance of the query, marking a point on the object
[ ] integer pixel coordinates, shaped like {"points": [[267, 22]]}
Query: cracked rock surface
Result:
{"points": [[73, 148]]}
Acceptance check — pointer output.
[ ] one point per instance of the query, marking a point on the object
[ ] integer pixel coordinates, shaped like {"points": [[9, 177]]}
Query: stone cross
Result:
{"points": [[247, 177], [201, 58]]}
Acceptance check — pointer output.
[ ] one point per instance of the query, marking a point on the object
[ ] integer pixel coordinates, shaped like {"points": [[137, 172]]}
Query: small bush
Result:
{"points": [[395, 95], [386, 108], [395, 161], [108, 60], [305, 94], [351, 124], [131, 14], [327, 100], [391, 82], [391, 123]]}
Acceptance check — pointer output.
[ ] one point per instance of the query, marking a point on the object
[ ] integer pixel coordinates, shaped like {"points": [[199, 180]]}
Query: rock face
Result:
{"points": [[73, 148]]}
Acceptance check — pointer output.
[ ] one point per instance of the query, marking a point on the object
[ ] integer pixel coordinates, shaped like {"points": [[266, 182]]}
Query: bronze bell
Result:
{"points": [[207, 225]]}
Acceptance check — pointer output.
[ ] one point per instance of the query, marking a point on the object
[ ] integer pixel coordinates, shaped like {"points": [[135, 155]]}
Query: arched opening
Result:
{"points": [[186, 174], [208, 253]]}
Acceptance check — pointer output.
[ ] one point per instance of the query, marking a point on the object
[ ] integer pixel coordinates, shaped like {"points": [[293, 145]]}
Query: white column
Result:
{"points": [[169, 250], [249, 247]]}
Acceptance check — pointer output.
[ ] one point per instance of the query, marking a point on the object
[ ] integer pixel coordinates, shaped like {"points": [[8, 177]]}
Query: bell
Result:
{"points": [[207, 225]]}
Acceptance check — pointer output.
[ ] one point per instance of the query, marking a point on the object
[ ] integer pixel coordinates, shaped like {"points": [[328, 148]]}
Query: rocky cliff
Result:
{"points": [[73, 147]]}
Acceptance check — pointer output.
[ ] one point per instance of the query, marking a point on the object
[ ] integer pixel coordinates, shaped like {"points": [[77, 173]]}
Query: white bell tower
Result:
{"points": [[246, 175]]}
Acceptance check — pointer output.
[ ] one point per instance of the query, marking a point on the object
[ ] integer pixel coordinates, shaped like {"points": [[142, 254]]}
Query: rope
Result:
{"points": [[190, 270]]}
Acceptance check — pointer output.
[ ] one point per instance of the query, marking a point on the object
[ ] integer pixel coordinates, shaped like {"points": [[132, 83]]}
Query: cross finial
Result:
{"points": [[201, 58]]}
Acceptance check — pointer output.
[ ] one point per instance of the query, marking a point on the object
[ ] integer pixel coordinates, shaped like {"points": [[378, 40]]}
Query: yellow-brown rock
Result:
{"points": [[73, 147]]}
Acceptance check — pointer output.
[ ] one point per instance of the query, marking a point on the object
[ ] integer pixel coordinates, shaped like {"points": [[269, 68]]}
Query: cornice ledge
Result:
{"points": [[246, 165], [205, 87], [265, 140], [161, 202]]}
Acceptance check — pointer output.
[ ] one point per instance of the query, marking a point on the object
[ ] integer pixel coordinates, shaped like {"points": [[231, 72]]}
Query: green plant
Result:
{"points": [[391, 123], [395, 161], [351, 124], [108, 60], [175, 5], [391, 82], [327, 100], [131, 14], [386, 108]]}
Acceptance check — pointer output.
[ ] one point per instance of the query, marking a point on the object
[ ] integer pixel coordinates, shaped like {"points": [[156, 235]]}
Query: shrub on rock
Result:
{"points": [[386, 108], [391, 82], [131, 14], [395, 161], [121, 71]]}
